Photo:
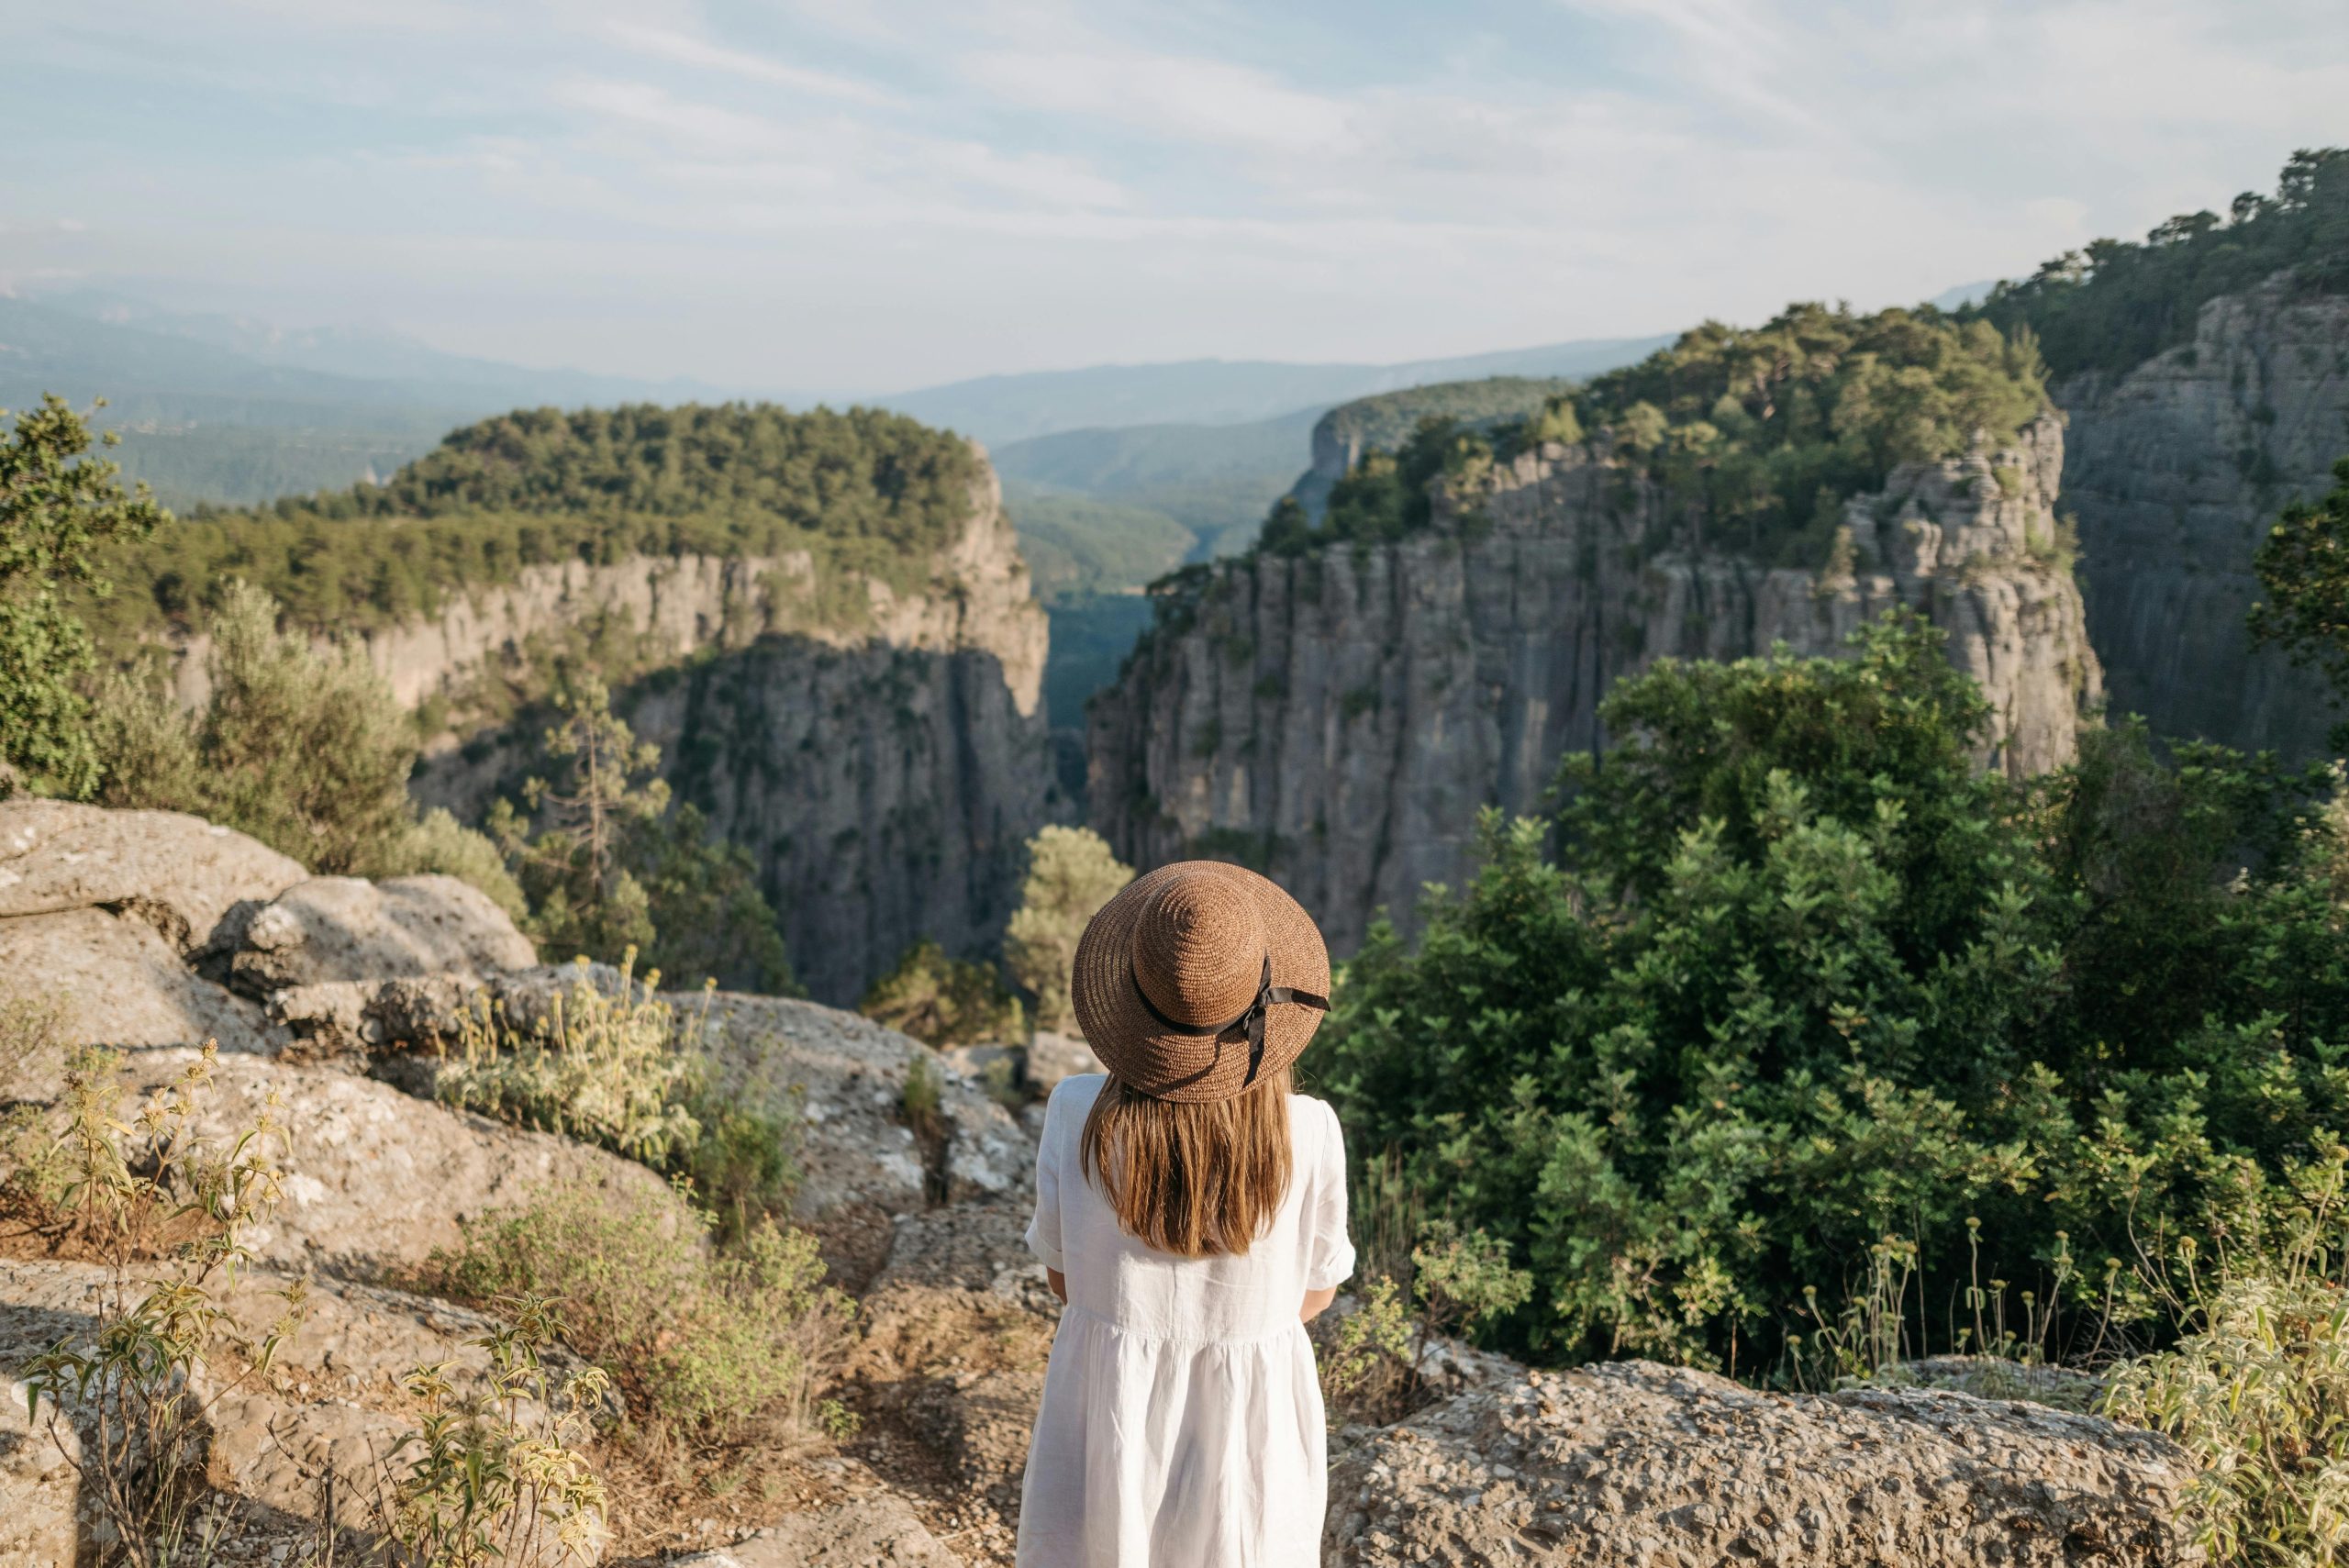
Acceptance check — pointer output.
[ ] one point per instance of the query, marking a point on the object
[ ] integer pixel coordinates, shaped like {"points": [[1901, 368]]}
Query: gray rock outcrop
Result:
{"points": [[346, 927], [1656, 1467], [2176, 469], [181, 873], [878, 1531], [1338, 719], [884, 768], [39, 1482]]}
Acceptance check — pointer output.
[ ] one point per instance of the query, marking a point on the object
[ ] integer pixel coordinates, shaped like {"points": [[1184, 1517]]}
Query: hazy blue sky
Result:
{"points": [[851, 195]]}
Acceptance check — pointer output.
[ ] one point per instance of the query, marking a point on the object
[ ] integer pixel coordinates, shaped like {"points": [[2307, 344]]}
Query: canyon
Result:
{"points": [[1339, 719]]}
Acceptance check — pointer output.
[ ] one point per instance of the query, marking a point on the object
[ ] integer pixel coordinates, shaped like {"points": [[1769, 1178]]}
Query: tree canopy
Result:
{"points": [[2117, 303], [863, 491]]}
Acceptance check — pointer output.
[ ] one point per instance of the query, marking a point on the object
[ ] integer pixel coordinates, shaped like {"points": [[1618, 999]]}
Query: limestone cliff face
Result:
{"points": [[884, 766], [2176, 471], [1339, 719]]}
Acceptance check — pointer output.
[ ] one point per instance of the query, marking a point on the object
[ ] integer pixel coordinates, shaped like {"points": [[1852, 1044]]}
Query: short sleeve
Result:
{"points": [[1044, 1230], [1330, 1257]]}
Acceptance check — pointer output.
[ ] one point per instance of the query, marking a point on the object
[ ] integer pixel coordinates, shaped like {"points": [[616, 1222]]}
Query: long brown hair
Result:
{"points": [[1193, 1179]]}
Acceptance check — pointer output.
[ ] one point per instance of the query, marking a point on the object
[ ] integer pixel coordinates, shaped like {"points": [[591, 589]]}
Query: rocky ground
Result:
{"points": [[155, 932]]}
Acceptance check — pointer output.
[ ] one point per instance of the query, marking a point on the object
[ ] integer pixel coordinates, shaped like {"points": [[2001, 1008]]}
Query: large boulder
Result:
{"points": [[376, 1179], [1649, 1466], [182, 872], [846, 1076], [330, 1403], [116, 980], [346, 928]]}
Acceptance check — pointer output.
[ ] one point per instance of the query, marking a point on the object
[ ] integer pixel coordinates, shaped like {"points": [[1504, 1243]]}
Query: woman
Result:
{"points": [[1191, 1212]]}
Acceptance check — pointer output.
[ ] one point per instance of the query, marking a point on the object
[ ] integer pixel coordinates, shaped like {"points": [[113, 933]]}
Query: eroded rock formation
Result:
{"points": [[1339, 719], [2176, 470]]}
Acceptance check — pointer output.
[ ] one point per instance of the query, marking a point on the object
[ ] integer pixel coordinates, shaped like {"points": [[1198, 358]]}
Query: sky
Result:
{"points": [[866, 196]]}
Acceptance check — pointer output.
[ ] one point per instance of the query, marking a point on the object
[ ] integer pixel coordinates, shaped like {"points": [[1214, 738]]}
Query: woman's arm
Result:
{"points": [[1317, 1301], [1059, 1281]]}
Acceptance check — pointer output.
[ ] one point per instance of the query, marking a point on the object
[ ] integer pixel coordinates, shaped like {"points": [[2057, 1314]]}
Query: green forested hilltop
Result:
{"points": [[1388, 418], [864, 490], [2117, 303], [1767, 429]]}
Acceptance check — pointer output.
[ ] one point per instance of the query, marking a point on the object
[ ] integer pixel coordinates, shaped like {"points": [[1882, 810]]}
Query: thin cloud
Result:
{"points": [[685, 49]]}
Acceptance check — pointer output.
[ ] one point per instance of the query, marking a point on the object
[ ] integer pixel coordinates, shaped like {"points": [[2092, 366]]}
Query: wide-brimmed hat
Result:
{"points": [[1198, 981]]}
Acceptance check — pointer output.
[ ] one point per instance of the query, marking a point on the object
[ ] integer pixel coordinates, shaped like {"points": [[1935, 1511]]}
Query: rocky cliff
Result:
{"points": [[2175, 470], [879, 748], [1338, 718]]}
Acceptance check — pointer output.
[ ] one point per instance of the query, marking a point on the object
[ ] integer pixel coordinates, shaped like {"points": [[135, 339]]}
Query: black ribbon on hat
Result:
{"points": [[1251, 1022]]}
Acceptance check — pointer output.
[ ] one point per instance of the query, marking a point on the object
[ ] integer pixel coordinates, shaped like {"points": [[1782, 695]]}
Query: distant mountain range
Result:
{"points": [[1001, 409]]}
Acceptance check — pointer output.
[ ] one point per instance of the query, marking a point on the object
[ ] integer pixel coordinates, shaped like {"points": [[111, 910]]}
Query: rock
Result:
{"points": [[2176, 468], [1052, 1056], [376, 1179], [1631, 1463], [117, 982], [347, 929], [1337, 720], [39, 1484], [181, 873], [883, 770], [871, 1533], [332, 1401], [844, 1076]]}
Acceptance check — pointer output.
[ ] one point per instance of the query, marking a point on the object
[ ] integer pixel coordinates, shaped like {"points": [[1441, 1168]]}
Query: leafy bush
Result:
{"points": [[60, 508], [1071, 874], [2301, 566], [168, 1215], [711, 1339], [306, 750], [499, 1476], [2258, 1390], [618, 1066], [944, 1001], [1799, 976], [438, 842]]}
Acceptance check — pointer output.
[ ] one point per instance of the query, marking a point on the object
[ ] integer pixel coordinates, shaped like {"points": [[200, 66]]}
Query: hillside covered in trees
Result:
{"points": [[863, 491], [2115, 303]]}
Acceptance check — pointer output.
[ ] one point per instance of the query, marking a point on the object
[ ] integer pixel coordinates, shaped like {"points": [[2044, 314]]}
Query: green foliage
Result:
{"points": [[1386, 421], [609, 868], [944, 1001], [1076, 545], [1071, 874], [169, 1216], [1800, 977], [498, 1475], [706, 1339], [2115, 304], [59, 510], [1764, 432], [614, 1065], [306, 750], [2257, 1392], [2304, 565], [864, 492]]}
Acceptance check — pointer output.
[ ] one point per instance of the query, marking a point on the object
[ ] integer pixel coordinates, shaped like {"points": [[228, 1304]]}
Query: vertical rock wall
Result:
{"points": [[1338, 719], [2175, 470], [884, 775]]}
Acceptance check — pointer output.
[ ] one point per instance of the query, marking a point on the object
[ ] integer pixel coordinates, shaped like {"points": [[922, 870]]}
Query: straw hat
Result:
{"points": [[1198, 980]]}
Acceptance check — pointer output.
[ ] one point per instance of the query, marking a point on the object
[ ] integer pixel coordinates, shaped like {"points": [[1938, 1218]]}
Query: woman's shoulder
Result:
{"points": [[1073, 1096], [1305, 1112]]}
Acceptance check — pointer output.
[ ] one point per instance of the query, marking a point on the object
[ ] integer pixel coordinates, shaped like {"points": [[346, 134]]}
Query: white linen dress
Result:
{"points": [[1182, 1423]]}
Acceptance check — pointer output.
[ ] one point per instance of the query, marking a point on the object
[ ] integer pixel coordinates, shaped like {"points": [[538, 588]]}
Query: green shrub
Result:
{"points": [[438, 842], [1071, 874], [944, 1001], [2257, 1391], [710, 1339], [59, 510], [1799, 975], [305, 750], [618, 1066]]}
